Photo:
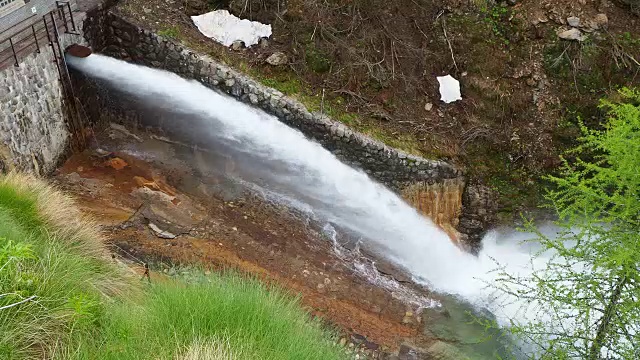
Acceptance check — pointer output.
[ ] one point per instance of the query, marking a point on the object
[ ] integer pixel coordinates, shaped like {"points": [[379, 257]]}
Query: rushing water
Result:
{"points": [[307, 176]]}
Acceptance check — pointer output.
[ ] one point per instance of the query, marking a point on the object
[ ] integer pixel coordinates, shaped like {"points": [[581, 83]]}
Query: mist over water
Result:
{"points": [[304, 175]]}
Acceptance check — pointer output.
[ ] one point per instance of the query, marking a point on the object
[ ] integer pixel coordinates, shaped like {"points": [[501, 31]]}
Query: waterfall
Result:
{"points": [[303, 174]]}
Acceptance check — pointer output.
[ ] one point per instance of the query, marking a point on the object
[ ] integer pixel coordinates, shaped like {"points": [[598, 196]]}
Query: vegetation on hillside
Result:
{"points": [[588, 297], [63, 297]]}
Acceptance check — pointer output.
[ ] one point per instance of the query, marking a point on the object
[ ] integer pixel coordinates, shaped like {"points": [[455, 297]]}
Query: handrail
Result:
{"points": [[27, 41], [34, 37], [15, 45], [16, 24]]}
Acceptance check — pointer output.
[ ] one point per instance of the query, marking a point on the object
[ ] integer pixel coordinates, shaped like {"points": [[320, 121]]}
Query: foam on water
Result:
{"points": [[318, 181]]}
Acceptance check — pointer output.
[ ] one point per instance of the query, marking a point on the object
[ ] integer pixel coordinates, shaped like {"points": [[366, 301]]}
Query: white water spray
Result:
{"points": [[316, 179]]}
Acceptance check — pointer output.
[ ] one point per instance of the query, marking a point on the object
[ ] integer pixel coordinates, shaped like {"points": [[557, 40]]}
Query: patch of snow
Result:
{"points": [[449, 89], [226, 28]]}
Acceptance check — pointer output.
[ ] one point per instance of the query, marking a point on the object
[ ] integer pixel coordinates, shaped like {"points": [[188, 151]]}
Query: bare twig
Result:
{"points": [[422, 32], [444, 30], [314, 31], [393, 65], [18, 303], [351, 93]]}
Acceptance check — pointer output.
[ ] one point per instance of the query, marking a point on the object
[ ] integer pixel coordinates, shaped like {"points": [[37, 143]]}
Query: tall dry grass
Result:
{"points": [[54, 276]]}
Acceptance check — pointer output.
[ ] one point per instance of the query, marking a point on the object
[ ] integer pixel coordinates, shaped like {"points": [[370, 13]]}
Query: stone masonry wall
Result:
{"points": [[32, 127], [121, 39], [33, 130]]}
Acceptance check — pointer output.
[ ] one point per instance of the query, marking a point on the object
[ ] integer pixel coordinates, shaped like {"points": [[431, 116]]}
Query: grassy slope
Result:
{"points": [[61, 265], [86, 308], [253, 321]]}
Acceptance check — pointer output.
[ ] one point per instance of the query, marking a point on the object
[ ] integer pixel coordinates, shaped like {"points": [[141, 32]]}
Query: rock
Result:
{"points": [[264, 43], [358, 339], [277, 59], [408, 317], [479, 208], [573, 21], [444, 351], [237, 45], [571, 34], [601, 20], [428, 106], [161, 233], [410, 353], [512, 2]]}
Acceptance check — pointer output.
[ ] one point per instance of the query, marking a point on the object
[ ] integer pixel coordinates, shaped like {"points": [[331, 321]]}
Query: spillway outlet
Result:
{"points": [[78, 51]]}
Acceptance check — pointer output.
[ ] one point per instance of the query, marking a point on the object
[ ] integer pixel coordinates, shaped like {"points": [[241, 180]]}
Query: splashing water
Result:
{"points": [[282, 160]]}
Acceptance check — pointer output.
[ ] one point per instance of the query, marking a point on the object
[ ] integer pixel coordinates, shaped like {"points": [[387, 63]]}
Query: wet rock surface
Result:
{"points": [[479, 207]]}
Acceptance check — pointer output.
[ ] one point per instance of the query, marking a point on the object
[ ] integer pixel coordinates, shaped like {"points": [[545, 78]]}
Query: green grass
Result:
{"points": [[262, 322], [56, 269], [171, 32], [81, 305]]}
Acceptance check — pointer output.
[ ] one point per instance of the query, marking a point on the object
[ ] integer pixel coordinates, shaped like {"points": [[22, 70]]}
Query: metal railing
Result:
{"points": [[16, 45]]}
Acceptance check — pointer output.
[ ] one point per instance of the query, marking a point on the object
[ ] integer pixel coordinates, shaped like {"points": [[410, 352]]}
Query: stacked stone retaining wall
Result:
{"points": [[33, 121]]}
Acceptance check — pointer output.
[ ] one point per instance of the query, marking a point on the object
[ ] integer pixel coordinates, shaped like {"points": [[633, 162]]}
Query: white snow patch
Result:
{"points": [[225, 28], [449, 89]]}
